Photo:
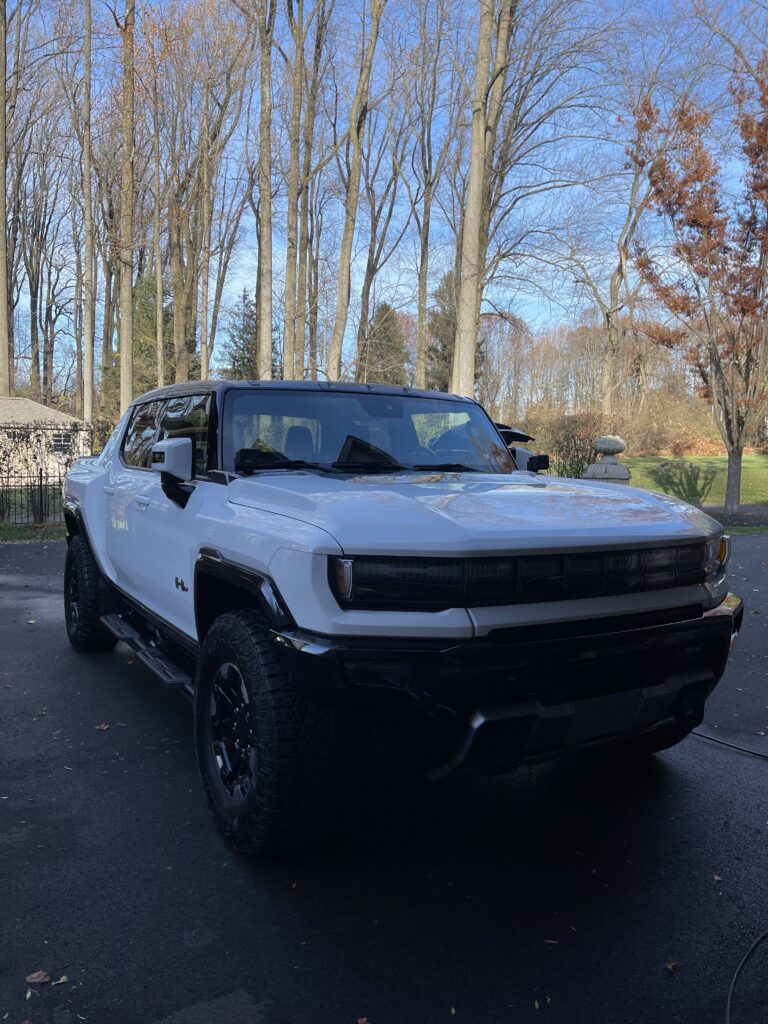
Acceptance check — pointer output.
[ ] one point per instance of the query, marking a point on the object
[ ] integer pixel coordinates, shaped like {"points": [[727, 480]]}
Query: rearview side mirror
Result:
{"points": [[173, 457]]}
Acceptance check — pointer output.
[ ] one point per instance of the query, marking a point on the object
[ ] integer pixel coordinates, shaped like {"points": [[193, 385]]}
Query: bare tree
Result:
{"points": [[383, 158], [434, 97], [358, 113], [490, 74], [305, 250], [5, 346], [89, 311], [265, 11], [126, 209]]}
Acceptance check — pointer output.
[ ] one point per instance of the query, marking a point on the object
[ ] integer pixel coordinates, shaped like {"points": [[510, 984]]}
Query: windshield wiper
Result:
{"points": [[255, 460]]}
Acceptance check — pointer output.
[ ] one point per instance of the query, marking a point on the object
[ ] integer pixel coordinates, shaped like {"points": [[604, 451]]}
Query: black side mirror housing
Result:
{"points": [[537, 463]]}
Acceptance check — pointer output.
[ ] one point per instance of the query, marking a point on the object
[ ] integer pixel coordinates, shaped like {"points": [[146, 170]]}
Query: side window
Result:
{"points": [[140, 435], [188, 417]]}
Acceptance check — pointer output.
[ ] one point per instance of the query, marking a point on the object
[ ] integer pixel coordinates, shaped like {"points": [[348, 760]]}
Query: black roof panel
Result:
{"points": [[196, 387]]}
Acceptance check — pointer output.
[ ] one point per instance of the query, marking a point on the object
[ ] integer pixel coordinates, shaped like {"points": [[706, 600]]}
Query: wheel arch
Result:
{"points": [[73, 521], [221, 586]]}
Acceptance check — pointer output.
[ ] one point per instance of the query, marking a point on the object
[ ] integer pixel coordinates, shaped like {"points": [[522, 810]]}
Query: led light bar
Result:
{"points": [[434, 584]]}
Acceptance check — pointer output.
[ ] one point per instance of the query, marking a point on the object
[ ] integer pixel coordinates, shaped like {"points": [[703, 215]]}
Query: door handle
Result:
{"points": [[142, 502], [109, 490]]}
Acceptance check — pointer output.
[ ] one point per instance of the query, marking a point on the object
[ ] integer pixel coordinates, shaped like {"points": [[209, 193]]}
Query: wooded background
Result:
{"points": [[557, 206]]}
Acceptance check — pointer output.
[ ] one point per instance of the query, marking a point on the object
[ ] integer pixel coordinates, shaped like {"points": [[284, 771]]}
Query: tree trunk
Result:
{"points": [[363, 328], [78, 317], [303, 243], [206, 232], [34, 340], [264, 352], [157, 253], [423, 279], [108, 325], [294, 152], [470, 283], [357, 118], [126, 214], [5, 348], [48, 344], [89, 310], [733, 483], [608, 372]]}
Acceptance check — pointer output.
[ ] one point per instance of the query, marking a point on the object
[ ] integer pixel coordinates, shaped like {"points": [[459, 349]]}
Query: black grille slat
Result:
{"points": [[437, 583]]}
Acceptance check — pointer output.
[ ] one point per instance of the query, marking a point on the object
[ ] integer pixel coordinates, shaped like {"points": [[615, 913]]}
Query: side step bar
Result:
{"points": [[166, 670]]}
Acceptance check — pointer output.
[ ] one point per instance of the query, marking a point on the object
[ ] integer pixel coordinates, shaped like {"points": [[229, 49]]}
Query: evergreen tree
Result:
{"points": [[386, 348], [238, 355], [442, 330]]}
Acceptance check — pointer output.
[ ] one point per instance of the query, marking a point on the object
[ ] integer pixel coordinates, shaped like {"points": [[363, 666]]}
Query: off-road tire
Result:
{"points": [[291, 765], [82, 600]]}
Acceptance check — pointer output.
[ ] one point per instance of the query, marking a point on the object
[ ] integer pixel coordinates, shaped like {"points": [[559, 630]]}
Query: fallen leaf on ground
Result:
{"points": [[102, 726], [717, 878], [671, 966], [62, 980], [38, 978], [30, 622], [552, 942]]}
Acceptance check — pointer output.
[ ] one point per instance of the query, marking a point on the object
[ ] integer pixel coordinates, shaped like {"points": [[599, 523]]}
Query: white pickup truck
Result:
{"points": [[323, 564]]}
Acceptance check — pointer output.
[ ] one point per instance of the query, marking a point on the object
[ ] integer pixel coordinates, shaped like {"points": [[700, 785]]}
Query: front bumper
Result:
{"points": [[521, 695]]}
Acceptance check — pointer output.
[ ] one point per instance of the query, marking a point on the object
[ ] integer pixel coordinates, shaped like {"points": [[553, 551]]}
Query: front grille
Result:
{"points": [[531, 578], [434, 584]]}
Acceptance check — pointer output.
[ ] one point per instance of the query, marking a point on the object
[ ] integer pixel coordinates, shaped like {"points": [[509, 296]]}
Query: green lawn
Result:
{"points": [[700, 478], [48, 531]]}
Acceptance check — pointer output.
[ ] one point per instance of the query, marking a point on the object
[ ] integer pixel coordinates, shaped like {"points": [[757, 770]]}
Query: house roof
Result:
{"points": [[23, 411]]}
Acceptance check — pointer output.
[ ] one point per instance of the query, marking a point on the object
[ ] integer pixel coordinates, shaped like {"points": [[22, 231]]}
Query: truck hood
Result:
{"points": [[466, 513]]}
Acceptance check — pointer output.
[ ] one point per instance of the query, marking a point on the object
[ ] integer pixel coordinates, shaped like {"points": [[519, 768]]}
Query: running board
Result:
{"points": [[166, 670]]}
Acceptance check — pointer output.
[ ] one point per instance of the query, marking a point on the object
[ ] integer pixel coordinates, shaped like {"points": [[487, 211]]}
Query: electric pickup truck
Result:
{"points": [[337, 571]]}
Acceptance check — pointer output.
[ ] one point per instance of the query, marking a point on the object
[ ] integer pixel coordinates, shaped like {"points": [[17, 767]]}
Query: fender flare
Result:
{"points": [[259, 587]]}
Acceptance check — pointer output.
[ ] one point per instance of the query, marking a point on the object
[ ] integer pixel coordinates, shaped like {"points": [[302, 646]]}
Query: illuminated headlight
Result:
{"points": [[718, 552]]}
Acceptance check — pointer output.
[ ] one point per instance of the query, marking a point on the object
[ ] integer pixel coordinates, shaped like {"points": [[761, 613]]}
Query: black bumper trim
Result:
{"points": [[546, 694]]}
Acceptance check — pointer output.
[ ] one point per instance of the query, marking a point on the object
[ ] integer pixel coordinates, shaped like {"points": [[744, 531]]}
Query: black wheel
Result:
{"points": [[82, 611], [266, 755]]}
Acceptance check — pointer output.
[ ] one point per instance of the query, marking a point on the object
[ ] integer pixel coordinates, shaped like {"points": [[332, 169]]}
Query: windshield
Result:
{"points": [[406, 431]]}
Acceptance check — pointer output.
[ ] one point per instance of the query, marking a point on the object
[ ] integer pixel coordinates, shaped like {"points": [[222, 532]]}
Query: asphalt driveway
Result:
{"points": [[563, 893]]}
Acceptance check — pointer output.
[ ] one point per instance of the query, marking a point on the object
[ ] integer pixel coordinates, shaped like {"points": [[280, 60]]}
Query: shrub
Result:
{"points": [[568, 438]]}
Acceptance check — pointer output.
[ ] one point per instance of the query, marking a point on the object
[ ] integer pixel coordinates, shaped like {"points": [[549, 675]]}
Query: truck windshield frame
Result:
{"points": [[313, 426]]}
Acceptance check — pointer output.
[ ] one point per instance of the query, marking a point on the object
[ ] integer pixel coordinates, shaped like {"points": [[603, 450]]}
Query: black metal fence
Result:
{"points": [[31, 499]]}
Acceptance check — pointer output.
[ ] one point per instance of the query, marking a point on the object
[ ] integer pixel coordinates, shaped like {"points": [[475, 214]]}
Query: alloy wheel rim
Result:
{"points": [[74, 599], [233, 737]]}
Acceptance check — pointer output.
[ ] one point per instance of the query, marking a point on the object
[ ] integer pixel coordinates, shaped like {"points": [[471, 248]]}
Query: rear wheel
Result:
{"points": [[82, 600], [266, 755]]}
